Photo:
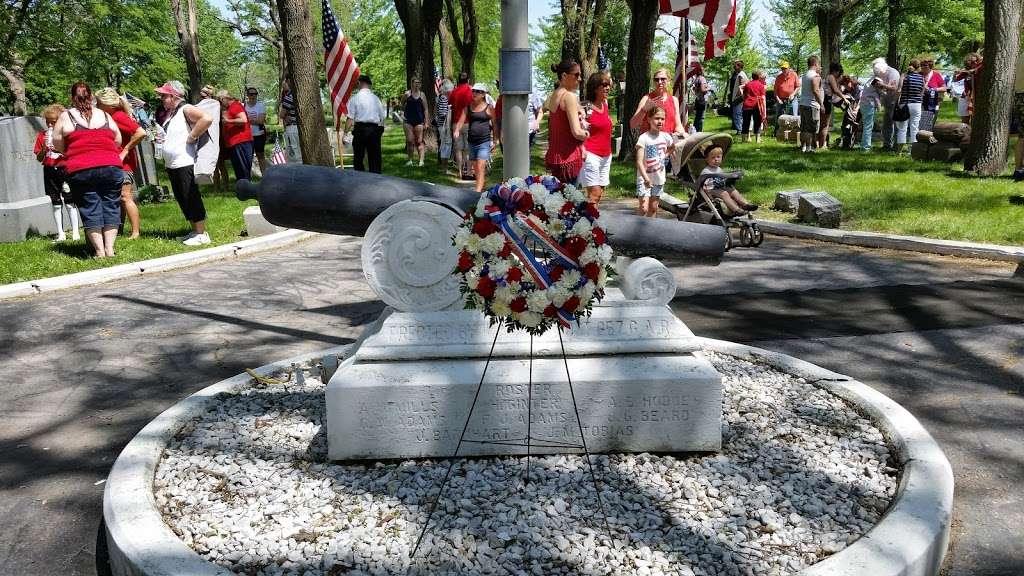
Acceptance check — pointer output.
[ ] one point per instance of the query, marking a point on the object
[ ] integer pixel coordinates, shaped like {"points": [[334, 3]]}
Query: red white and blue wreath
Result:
{"points": [[533, 254]]}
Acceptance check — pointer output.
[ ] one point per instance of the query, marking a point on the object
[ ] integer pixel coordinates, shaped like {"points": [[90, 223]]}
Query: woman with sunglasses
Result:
{"points": [[564, 158], [478, 120], [597, 155], [660, 97]]}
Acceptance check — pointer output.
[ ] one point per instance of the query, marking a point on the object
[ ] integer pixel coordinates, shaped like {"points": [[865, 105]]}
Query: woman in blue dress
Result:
{"points": [[414, 108]]}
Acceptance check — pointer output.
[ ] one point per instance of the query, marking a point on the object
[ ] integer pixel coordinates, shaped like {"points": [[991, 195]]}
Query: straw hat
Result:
{"points": [[108, 97]]}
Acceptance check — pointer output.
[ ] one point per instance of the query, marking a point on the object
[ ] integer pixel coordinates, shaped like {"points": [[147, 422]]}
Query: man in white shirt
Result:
{"points": [[366, 111]]}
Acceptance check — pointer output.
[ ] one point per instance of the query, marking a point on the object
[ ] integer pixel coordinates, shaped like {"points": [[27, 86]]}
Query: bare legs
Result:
{"points": [[410, 142], [129, 208], [102, 240], [648, 206], [480, 169], [421, 146], [594, 194]]}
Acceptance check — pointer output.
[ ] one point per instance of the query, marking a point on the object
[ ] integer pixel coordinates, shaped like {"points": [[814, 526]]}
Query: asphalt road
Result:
{"points": [[84, 370]]}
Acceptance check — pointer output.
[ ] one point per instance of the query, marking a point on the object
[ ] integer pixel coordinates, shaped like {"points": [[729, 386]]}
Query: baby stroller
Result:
{"points": [[850, 127], [687, 163]]}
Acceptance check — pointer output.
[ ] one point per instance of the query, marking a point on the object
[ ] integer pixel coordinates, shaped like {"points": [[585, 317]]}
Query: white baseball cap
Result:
{"points": [[480, 87]]}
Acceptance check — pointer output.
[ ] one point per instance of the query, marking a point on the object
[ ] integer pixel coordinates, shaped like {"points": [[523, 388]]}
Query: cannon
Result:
{"points": [[323, 199]]}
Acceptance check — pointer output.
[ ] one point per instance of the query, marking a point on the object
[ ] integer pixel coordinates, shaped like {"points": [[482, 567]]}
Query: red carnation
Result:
{"points": [[465, 261], [556, 273], [571, 304], [590, 209], [518, 305], [599, 236], [592, 271], [514, 275], [484, 227], [525, 203], [505, 250], [550, 311], [485, 287], [575, 246], [568, 207]]}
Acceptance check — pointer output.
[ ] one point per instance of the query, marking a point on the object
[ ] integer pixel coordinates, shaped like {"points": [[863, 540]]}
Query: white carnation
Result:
{"points": [[604, 254], [472, 279], [582, 228], [500, 309], [570, 279], [587, 292], [530, 319], [602, 277], [537, 300], [574, 194], [473, 244], [461, 235], [589, 255], [556, 227], [493, 243], [559, 295], [539, 193], [504, 294], [516, 183], [499, 268], [553, 205]]}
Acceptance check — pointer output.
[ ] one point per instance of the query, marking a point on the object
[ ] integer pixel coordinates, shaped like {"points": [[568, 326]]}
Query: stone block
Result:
{"points": [[925, 136], [408, 389], [24, 206], [953, 132], [789, 122], [788, 200], [945, 152], [649, 280], [821, 209], [256, 224], [919, 150], [19, 218], [788, 136]]}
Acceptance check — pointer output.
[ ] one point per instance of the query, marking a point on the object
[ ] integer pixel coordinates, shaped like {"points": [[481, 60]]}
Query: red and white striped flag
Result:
{"points": [[342, 70], [718, 15], [686, 57], [278, 156]]}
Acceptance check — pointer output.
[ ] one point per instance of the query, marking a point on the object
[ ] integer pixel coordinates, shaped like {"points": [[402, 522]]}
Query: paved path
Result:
{"points": [[86, 369]]}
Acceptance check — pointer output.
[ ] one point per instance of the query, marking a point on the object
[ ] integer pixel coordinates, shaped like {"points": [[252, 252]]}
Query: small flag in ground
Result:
{"points": [[342, 70], [602, 58], [278, 156]]}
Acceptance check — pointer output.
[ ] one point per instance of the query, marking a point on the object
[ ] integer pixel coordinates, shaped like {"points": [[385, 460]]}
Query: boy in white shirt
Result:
{"points": [[652, 148]]}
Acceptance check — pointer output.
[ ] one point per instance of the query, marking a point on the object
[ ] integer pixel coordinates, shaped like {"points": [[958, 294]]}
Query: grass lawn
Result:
{"points": [[880, 192]]}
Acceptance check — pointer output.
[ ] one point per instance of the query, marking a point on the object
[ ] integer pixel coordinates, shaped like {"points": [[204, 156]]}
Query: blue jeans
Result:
{"points": [[867, 124], [97, 192], [737, 116]]}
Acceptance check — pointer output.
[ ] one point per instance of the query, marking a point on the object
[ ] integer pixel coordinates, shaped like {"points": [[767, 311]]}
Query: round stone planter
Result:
{"points": [[910, 539]]}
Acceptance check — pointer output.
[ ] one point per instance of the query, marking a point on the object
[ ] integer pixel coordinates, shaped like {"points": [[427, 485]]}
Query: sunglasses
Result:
{"points": [[606, 84]]}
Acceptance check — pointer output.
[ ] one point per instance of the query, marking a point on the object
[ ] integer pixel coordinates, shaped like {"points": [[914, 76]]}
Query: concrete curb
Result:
{"points": [[894, 242], [183, 260], [910, 539]]}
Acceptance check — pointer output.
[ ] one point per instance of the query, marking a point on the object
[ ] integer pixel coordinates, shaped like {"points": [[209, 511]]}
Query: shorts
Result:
{"points": [[129, 178], [810, 119], [259, 142], [962, 106], [1018, 105], [595, 170], [480, 151], [97, 193], [643, 191], [53, 184]]}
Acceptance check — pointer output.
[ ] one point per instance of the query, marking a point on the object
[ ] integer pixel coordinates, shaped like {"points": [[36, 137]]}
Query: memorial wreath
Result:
{"points": [[533, 254]]}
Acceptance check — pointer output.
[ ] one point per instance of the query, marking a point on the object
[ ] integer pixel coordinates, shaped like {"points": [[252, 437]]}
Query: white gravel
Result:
{"points": [[801, 475]]}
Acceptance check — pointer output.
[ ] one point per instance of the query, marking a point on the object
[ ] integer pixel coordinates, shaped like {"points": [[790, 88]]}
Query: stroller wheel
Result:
{"points": [[756, 236], [746, 236], [728, 239]]}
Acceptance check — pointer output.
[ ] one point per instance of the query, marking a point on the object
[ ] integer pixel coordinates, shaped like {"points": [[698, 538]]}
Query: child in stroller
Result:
{"points": [[721, 185]]}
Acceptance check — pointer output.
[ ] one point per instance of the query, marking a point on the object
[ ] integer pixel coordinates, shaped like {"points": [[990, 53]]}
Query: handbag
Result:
{"points": [[902, 113]]}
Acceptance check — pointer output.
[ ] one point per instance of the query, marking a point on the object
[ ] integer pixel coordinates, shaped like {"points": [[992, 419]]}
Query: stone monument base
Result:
{"points": [[18, 219], [408, 389]]}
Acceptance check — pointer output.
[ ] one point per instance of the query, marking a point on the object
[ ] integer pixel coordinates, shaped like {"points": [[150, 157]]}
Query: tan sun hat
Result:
{"points": [[108, 97]]}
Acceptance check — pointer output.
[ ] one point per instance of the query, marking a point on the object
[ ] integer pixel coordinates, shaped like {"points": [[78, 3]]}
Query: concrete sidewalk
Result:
{"points": [[86, 369]]}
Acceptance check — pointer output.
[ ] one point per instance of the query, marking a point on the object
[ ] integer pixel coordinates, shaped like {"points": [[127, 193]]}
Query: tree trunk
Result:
{"points": [[583, 20], [185, 21], [642, 25], [15, 76], [445, 37], [986, 155], [893, 14], [466, 41], [830, 28], [302, 49]]}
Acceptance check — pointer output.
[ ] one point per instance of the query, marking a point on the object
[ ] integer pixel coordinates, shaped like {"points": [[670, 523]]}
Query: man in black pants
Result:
{"points": [[366, 111]]}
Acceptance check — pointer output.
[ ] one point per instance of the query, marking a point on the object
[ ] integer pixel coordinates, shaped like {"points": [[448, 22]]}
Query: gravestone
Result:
{"points": [[24, 206], [256, 224], [408, 388], [821, 209], [788, 200], [945, 152], [919, 150]]}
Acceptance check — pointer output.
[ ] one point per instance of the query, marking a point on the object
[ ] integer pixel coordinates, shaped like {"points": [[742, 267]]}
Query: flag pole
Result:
{"points": [[684, 62]]}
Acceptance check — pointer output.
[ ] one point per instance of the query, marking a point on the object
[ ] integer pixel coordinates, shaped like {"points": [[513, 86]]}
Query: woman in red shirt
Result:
{"points": [[91, 145], [662, 98], [564, 158], [110, 102], [597, 155], [236, 135], [753, 106]]}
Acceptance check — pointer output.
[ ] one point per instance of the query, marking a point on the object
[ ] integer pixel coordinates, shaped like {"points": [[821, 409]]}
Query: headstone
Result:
{"points": [[256, 224], [945, 152], [954, 132], [821, 209], [24, 206], [925, 136], [919, 150], [408, 256], [788, 200], [649, 280], [145, 165], [408, 389]]}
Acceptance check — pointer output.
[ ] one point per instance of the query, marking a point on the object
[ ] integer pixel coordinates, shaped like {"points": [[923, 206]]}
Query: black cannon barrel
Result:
{"points": [[323, 199]]}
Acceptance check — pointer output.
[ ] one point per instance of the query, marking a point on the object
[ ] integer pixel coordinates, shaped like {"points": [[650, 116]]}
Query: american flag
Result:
{"points": [[342, 70], [718, 15], [602, 59], [278, 156], [687, 56]]}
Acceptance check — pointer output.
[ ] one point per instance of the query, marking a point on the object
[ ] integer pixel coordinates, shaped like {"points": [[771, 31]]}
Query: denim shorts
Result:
{"points": [[480, 151], [97, 192]]}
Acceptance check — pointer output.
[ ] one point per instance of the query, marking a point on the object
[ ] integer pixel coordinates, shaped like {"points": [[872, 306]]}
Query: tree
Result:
{"points": [[583, 20], [638, 64], [792, 40], [35, 30], [465, 40], [444, 37], [986, 155], [259, 19], [303, 63], [421, 19], [188, 36]]}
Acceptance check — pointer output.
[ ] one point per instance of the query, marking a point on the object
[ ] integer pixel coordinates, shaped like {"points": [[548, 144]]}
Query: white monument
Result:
{"points": [[409, 386]]}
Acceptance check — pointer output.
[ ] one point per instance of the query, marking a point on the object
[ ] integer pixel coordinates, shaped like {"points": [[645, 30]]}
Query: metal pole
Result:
{"points": [[516, 85]]}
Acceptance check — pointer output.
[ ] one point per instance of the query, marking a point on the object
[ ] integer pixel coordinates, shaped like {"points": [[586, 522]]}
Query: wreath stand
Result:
{"points": [[528, 441]]}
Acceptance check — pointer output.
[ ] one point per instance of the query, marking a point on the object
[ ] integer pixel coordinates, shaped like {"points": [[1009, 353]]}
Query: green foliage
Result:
{"points": [[377, 40], [614, 38], [488, 21], [791, 38]]}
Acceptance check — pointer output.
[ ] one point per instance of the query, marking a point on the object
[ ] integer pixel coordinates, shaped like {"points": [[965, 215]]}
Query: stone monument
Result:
{"points": [[409, 386], [24, 207]]}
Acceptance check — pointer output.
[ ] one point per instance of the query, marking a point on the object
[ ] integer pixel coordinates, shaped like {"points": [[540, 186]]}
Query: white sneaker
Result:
{"points": [[421, 164], [410, 163], [60, 238], [198, 240], [188, 236], [76, 237]]}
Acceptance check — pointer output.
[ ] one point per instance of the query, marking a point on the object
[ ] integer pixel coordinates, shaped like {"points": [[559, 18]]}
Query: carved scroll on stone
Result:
{"points": [[649, 280]]}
